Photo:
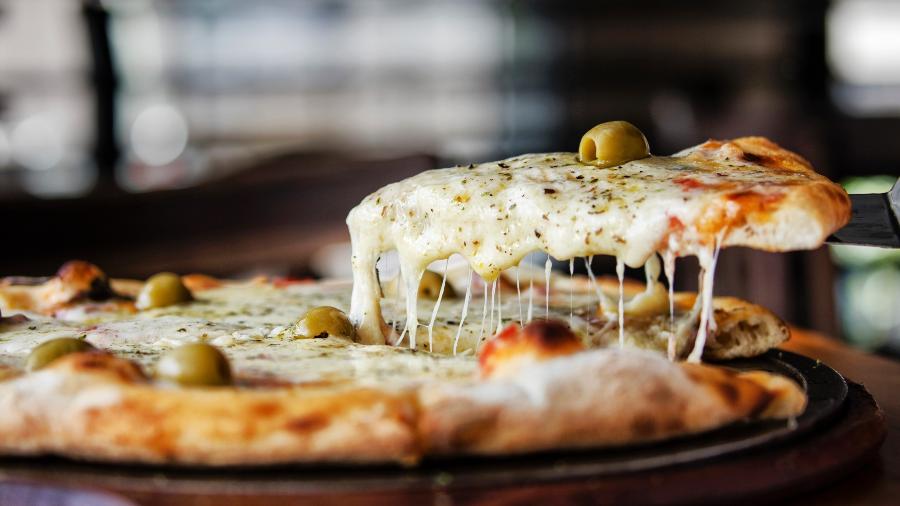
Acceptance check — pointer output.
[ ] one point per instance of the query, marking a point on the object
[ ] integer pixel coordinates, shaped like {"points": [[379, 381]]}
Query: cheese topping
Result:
{"points": [[253, 323], [496, 213]]}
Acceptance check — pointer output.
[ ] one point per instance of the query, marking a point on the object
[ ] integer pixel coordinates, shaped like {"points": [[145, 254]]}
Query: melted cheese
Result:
{"points": [[496, 213], [254, 324]]}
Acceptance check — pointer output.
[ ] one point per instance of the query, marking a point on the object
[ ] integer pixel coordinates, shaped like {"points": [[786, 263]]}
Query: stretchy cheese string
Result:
{"points": [[499, 309], [401, 296], [548, 266], [412, 279], [483, 314], [571, 290], [706, 294], [669, 268], [519, 297], [603, 301], [601, 297], [686, 323], [620, 273], [465, 310], [530, 296], [493, 296], [398, 301], [437, 305]]}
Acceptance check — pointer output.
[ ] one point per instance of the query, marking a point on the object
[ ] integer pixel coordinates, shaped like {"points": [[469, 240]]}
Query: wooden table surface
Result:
{"points": [[877, 482]]}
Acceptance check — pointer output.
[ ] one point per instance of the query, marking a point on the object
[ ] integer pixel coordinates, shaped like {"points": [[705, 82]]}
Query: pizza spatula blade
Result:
{"points": [[874, 220]]}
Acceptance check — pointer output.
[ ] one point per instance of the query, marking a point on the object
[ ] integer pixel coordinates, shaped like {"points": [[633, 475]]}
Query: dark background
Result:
{"points": [[231, 137]]}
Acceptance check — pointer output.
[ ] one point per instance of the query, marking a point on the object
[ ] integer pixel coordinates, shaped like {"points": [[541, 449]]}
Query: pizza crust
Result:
{"points": [[596, 398], [98, 407], [802, 216]]}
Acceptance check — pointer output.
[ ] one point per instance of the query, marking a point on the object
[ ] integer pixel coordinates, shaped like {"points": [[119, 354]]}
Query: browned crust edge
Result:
{"points": [[612, 401], [89, 406], [806, 214], [98, 407]]}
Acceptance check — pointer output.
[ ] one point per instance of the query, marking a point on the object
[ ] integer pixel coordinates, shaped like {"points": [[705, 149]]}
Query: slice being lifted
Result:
{"points": [[743, 192]]}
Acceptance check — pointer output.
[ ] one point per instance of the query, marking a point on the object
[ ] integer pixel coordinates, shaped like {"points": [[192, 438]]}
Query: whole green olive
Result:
{"points": [[194, 364], [163, 289], [613, 143], [48, 351], [324, 321], [430, 286]]}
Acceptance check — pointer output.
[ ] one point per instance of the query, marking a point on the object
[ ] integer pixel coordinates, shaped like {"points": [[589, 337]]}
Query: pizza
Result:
{"points": [[505, 358]]}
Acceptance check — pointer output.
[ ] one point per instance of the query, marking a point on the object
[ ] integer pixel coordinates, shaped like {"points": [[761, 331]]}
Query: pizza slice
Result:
{"points": [[612, 198]]}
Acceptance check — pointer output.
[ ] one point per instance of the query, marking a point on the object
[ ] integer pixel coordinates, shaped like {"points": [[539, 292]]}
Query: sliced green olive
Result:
{"points": [[194, 364], [325, 321], [430, 286], [163, 289], [613, 143], [48, 351]]}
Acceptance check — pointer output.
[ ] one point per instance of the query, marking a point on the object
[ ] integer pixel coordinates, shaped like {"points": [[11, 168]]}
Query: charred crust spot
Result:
{"points": [[728, 391], [758, 159], [77, 269], [266, 409], [86, 279], [305, 424], [102, 362], [660, 394], [93, 362], [643, 425], [100, 289], [473, 431], [751, 157], [275, 382], [675, 424], [549, 333], [198, 282], [723, 381], [765, 398], [537, 341], [80, 272]]}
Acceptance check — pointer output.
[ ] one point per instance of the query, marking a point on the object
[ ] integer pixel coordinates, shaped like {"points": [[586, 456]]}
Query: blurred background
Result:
{"points": [[231, 137]]}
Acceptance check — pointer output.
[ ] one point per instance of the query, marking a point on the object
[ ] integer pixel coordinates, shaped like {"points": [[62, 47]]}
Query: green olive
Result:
{"points": [[194, 364], [613, 143], [430, 286], [324, 321], [163, 289], [48, 351]]}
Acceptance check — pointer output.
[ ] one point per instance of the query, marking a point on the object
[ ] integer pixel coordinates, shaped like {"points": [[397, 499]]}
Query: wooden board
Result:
{"points": [[771, 468]]}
